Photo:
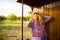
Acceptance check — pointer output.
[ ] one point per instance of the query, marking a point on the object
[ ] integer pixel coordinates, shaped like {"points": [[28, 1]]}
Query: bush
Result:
{"points": [[18, 18], [12, 17], [2, 18], [25, 18]]}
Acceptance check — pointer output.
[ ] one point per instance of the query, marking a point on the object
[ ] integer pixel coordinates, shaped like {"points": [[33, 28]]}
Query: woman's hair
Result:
{"points": [[40, 18]]}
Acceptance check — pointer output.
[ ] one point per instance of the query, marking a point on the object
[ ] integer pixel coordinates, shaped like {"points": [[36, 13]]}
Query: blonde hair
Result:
{"points": [[40, 20]]}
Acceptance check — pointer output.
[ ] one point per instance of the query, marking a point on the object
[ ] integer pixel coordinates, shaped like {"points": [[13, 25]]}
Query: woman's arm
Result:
{"points": [[30, 24], [46, 18]]}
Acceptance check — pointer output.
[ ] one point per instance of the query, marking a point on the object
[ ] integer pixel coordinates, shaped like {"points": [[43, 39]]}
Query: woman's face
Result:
{"points": [[36, 17]]}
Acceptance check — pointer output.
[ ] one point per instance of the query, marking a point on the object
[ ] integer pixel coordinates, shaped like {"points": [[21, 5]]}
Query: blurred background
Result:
{"points": [[11, 19]]}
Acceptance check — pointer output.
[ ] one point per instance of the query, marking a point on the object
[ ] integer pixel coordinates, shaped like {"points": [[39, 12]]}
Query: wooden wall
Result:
{"points": [[53, 26]]}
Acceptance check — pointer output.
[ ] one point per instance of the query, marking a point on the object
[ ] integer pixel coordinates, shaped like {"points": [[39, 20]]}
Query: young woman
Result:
{"points": [[37, 24]]}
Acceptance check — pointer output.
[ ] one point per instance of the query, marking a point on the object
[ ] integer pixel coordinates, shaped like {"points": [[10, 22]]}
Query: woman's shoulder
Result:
{"points": [[30, 23]]}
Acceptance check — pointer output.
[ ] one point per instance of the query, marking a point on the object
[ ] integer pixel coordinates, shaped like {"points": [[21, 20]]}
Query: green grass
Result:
{"points": [[11, 30], [10, 25]]}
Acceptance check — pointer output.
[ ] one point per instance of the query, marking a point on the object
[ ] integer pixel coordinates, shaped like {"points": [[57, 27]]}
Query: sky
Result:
{"points": [[11, 6]]}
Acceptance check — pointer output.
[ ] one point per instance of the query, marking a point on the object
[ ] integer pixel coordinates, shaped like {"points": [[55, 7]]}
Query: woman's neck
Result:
{"points": [[37, 23]]}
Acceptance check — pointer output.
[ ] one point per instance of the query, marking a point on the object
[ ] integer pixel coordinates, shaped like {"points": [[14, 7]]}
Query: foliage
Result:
{"points": [[2, 18], [12, 17], [18, 18], [25, 18], [29, 12]]}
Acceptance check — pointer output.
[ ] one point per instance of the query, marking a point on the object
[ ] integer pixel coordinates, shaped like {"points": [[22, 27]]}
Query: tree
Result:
{"points": [[2, 18], [29, 12], [24, 18], [12, 17]]}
